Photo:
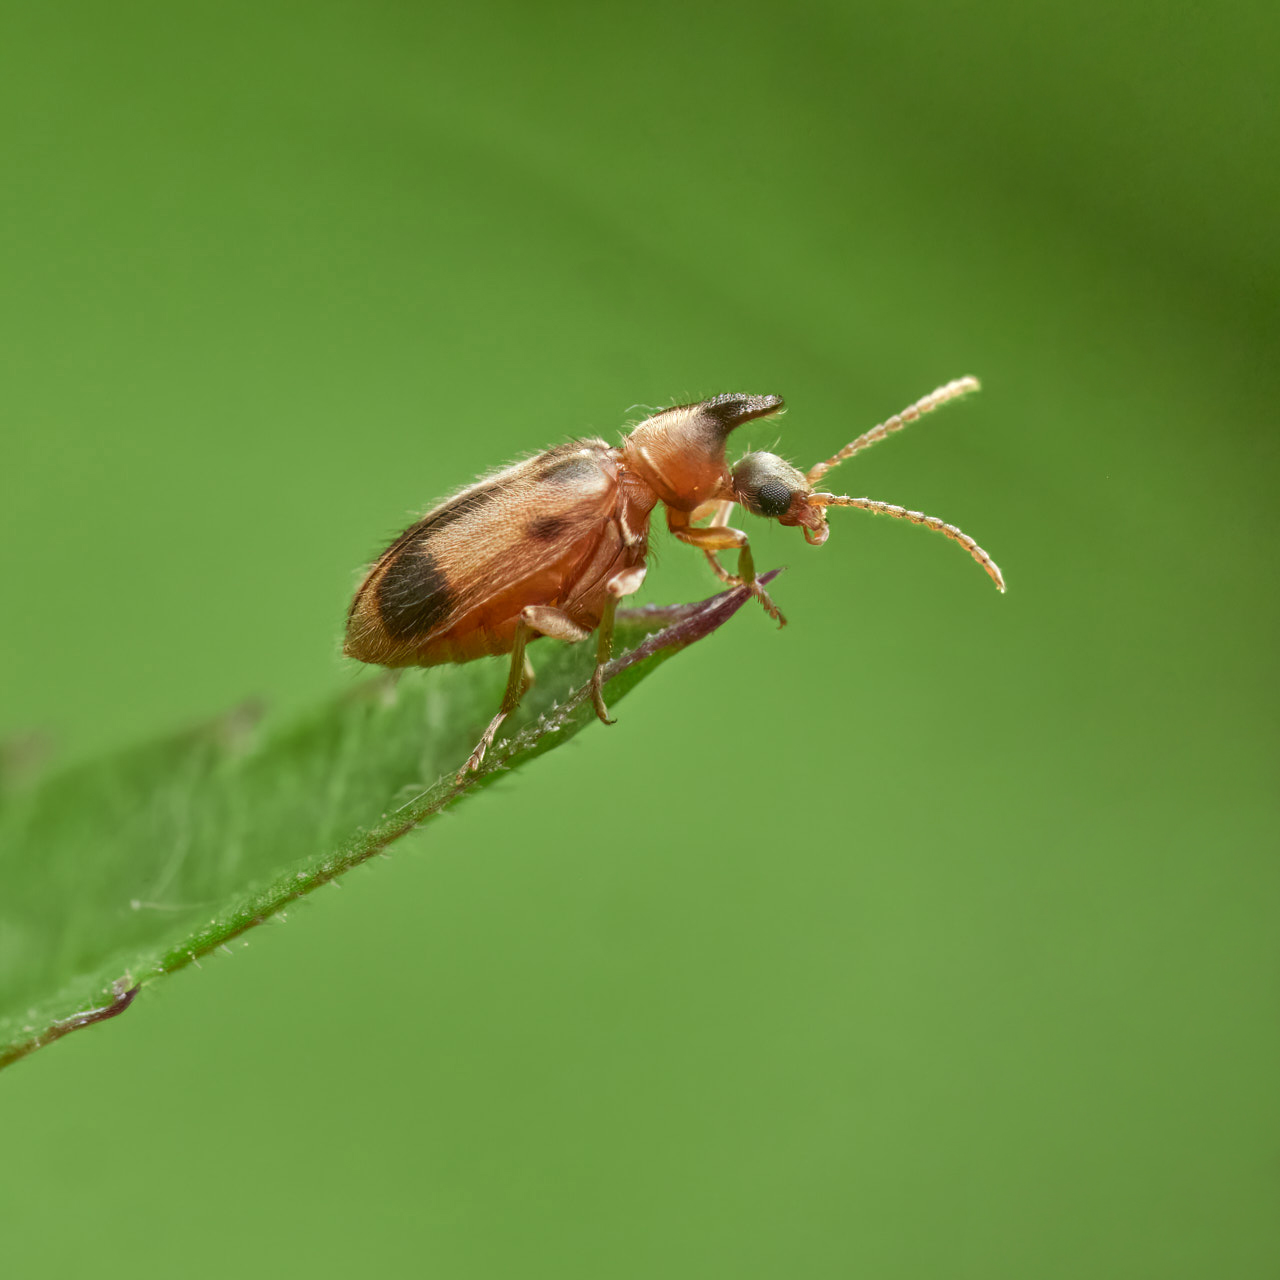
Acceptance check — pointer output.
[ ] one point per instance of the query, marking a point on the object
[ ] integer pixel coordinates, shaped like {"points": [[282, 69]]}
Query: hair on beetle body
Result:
{"points": [[549, 545]]}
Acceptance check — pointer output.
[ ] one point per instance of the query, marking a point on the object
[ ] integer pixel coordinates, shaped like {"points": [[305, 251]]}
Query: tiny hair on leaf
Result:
{"points": [[118, 872]]}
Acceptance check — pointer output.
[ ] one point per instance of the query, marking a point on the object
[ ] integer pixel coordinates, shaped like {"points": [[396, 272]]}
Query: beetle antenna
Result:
{"points": [[951, 391], [916, 517]]}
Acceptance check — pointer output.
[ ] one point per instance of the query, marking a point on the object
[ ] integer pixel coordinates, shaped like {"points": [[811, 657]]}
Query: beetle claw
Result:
{"points": [[767, 604]]}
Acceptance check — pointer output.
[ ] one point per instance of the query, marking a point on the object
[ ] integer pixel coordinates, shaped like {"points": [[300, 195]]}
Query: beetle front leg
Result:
{"points": [[719, 513], [723, 538]]}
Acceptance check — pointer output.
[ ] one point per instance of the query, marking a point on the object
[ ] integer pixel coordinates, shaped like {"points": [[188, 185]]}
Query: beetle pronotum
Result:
{"points": [[549, 545]]}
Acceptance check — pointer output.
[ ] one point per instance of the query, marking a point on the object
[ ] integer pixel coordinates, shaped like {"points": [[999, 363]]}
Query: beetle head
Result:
{"points": [[767, 486]]}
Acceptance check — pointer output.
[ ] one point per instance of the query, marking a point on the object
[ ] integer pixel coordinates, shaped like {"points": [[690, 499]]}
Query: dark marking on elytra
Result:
{"points": [[413, 593], [548, 528], [441, 518]]}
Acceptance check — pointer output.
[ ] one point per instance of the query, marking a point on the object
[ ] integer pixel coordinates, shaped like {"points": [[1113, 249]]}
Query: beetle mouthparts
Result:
{"points": [[733, 409]]}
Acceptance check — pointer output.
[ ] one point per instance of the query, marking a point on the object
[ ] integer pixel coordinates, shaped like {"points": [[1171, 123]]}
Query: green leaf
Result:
{"points": [[132, 867]]}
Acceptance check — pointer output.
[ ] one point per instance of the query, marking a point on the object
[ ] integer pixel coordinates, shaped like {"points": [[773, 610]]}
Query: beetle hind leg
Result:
{"points": [[534, 620], [519, 680], [552, 622], [544, 620]]}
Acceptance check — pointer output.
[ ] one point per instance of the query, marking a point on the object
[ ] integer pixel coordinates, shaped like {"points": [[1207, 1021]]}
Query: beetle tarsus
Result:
{"points": [[597, 696], [519, 681], [476, 759], [766, 601]]}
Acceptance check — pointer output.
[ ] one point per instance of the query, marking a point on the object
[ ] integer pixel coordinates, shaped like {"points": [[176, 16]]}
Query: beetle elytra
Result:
{"points": [[549, 545]]}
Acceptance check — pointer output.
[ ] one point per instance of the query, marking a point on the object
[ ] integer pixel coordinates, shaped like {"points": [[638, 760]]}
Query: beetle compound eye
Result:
{"points": [[766, 485], [773, 498]]}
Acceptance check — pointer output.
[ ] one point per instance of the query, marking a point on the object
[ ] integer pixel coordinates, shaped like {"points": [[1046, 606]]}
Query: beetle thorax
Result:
{"points": [[680, 455]]}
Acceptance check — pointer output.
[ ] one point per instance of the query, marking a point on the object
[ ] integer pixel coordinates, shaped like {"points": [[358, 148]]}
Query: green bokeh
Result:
{"points": [[933, 936]]}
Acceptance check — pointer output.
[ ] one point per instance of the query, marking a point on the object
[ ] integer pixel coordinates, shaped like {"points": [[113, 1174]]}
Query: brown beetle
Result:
{"points": [[550, 545]]}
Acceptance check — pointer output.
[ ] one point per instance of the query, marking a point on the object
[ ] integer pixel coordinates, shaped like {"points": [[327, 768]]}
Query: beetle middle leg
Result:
{"points": [[621, 584], [723, 538]]}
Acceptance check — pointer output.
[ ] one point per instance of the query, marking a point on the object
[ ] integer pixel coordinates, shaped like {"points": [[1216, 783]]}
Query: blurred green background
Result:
{"points": [[932, 936]]}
